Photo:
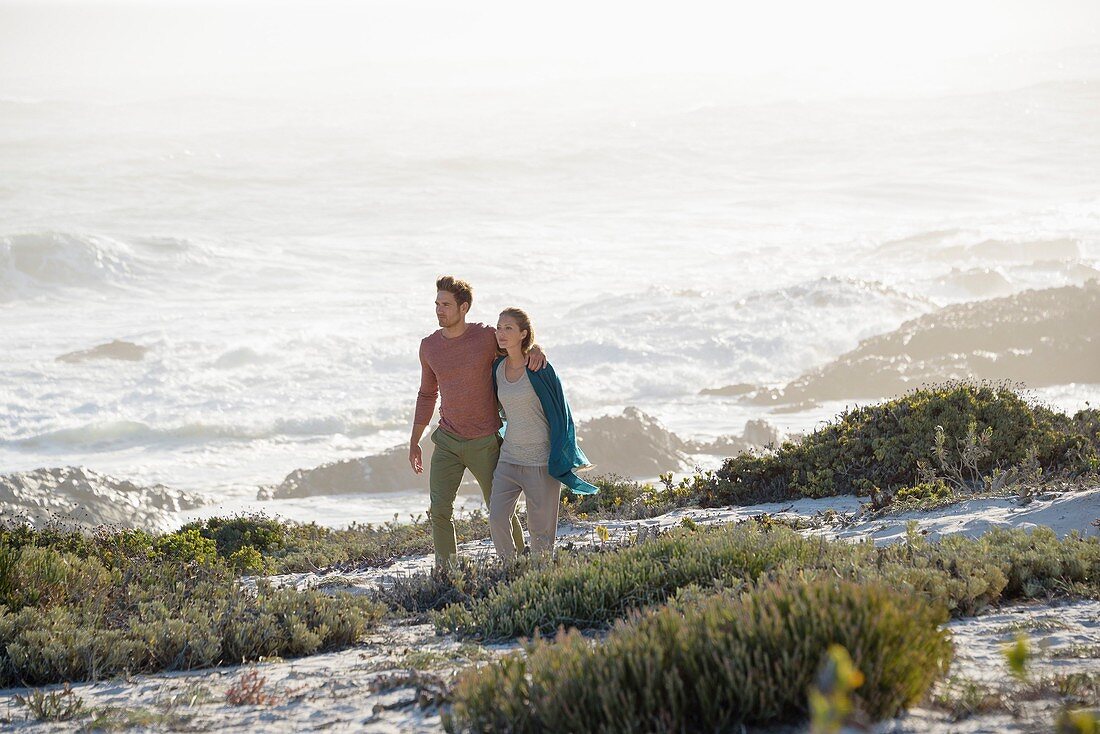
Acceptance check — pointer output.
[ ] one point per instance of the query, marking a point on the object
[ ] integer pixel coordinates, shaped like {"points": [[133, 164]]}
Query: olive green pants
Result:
{"points": [[451, 458]]}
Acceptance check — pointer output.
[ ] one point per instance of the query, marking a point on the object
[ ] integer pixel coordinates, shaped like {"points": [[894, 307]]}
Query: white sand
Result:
{"points": [[979, 656], [840, 517], [330, 691]]}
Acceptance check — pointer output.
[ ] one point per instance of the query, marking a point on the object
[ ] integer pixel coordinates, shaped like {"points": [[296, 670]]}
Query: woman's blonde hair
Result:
{"points": [[524, 323]]}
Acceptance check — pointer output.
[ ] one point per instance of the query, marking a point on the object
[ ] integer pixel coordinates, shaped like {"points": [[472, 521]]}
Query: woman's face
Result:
{"points": [[508, 332]]}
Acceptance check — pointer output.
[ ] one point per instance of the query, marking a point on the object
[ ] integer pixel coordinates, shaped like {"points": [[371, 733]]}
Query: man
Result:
{"points": [[456, 364]]}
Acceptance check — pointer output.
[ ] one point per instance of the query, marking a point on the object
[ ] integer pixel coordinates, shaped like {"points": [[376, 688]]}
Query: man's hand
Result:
{"points": [[416, 458], [536, 360]]}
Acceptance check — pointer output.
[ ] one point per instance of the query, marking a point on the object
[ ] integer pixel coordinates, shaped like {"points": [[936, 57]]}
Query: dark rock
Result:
{"points": [[740, 388], [758, 434], [631, 444], [1038, 337], [120, 350], [87, 498]]}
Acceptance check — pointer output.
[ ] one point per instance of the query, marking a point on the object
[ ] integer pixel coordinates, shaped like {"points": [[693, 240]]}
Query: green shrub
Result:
{"points": [[113, 547], [969, 575], [60, 645], [248, 560], [58, 536], [186, 546], [249, 544], [620, 498], [933, 491], [592, 590], [175, 639], [67, 618], [1087, 423], [923, 496], [231, 534], [727, 661], [290, 547], [461, 582], [9, 557], [43, 578], [893, 444], [280, 624]]}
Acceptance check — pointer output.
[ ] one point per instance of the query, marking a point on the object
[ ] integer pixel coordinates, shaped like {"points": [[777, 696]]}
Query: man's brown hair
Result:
{"points": [[460, 289]]}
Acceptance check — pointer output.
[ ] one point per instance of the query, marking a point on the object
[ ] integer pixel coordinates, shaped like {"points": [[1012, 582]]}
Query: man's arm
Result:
{"points": [[425, 408], [536, 358], [416, 454]]}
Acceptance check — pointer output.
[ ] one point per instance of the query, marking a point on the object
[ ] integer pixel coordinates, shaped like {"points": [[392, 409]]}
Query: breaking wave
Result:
{"points": [[34, 264], [110, 435]]}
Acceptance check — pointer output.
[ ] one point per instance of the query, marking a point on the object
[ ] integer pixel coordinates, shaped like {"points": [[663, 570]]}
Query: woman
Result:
{"points": [[540, 451]]}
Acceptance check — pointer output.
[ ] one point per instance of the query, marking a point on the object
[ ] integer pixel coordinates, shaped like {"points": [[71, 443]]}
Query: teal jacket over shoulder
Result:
{"points": [[565, 454]]}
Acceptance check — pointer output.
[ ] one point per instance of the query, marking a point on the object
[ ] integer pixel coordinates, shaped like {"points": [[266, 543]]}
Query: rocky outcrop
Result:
{"points": [[1038, 337], [76, 495], [631, 444], [119, 350], [385, 472], [758, 434]]}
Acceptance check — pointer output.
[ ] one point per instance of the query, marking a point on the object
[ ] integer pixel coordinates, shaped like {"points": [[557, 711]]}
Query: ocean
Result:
{"points": [[277, 259]]}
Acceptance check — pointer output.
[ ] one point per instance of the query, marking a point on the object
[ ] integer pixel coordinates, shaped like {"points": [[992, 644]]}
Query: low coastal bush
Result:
{"points": [[264, 534], [289, 547], [961, 432], [968, 575], [620, 498], [922, 496], [591, 590], [113, 547], [64, 617], [249, 544], [713, 665], [462, 581]]}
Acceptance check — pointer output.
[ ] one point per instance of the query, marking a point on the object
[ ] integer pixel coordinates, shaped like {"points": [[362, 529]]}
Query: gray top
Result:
{"points": [[527, 437]]}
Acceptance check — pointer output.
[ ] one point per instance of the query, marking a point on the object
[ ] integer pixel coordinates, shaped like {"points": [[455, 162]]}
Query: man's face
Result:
{"points": [[447, 310]]}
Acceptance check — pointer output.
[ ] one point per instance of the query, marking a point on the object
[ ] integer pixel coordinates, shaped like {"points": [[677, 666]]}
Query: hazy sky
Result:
{"points": [[846, 46]]}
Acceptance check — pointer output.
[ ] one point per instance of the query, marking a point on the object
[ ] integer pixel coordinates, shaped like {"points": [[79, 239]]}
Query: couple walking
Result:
{"points": [[479, 373]]}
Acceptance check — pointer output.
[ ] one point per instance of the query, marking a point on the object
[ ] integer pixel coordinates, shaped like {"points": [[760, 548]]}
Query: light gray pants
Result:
{"points": [[543, 494]]}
